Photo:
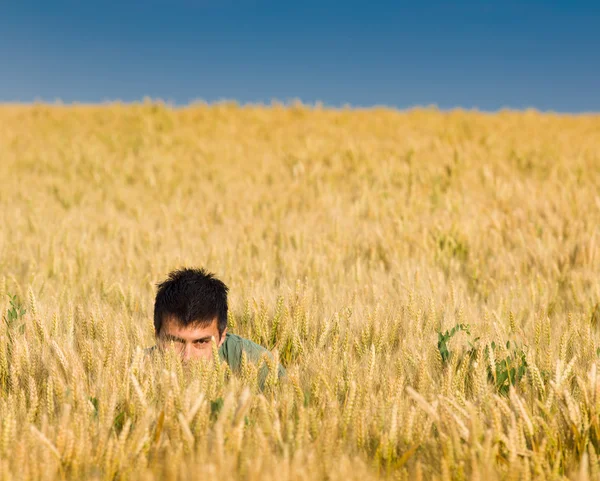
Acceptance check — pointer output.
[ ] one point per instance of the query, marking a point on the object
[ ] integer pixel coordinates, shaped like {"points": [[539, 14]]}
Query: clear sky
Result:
{"points": [[470, 54]]}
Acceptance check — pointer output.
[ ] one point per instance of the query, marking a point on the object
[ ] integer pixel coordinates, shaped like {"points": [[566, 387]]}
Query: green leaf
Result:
{"points": [[215, 407]]}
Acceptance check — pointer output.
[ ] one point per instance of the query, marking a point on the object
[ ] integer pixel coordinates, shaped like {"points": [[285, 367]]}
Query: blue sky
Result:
{"points": [[486, 55]]}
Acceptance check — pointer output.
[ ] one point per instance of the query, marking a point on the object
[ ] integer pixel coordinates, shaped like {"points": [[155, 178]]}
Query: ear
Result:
{"points": [[222, 340]]}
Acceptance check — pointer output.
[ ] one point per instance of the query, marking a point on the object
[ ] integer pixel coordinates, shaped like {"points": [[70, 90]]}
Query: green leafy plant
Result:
{"points": [[510, 363], [510, 369], [444, 339], [215, 407], [15, 313]]}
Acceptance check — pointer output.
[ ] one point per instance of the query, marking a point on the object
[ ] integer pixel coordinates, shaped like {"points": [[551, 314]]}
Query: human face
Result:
{"points": [[191, 342]]}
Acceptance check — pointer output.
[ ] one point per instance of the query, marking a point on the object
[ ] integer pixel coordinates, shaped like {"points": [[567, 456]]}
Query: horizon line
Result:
{"points": [[290, 103]]}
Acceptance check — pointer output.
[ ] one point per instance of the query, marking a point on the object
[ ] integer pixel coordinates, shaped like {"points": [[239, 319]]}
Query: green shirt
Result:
{"points": [[231, 351]]}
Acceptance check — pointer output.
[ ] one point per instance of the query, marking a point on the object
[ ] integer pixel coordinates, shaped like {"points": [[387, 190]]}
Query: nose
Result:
{"points": [[186, 354]]}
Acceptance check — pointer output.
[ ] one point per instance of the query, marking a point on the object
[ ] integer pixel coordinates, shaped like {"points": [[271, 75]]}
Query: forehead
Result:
{"points": [[172, 325]]}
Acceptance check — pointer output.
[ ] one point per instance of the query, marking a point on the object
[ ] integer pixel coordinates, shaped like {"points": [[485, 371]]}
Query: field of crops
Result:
{"points": [[431, 282]]}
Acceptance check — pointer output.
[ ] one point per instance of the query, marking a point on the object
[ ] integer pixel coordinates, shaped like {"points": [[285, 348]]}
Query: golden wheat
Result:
{"points": [[351, 241]]}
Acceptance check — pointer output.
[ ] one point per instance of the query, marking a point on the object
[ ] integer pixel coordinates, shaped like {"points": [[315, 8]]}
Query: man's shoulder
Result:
{"points": [[235, 345]]}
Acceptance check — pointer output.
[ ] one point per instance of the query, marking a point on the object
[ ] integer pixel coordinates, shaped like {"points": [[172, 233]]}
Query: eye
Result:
{"points": [[201, 342]]}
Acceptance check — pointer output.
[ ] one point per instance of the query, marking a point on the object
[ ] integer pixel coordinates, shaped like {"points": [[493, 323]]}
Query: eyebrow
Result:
{"points": [[170, 337]]}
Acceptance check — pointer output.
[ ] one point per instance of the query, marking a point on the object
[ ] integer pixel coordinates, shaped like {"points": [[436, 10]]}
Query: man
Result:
{"points": [[190, 310]]}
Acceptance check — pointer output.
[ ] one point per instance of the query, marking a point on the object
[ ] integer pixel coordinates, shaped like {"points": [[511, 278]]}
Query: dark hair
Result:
{"points": [[192, 296]]}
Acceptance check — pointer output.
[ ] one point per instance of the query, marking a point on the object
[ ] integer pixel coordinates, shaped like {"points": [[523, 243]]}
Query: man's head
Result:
{"points": [[189, 311]]}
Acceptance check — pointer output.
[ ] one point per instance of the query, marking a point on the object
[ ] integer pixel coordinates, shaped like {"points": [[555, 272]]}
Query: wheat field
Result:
{"points": [[430, 280]]}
